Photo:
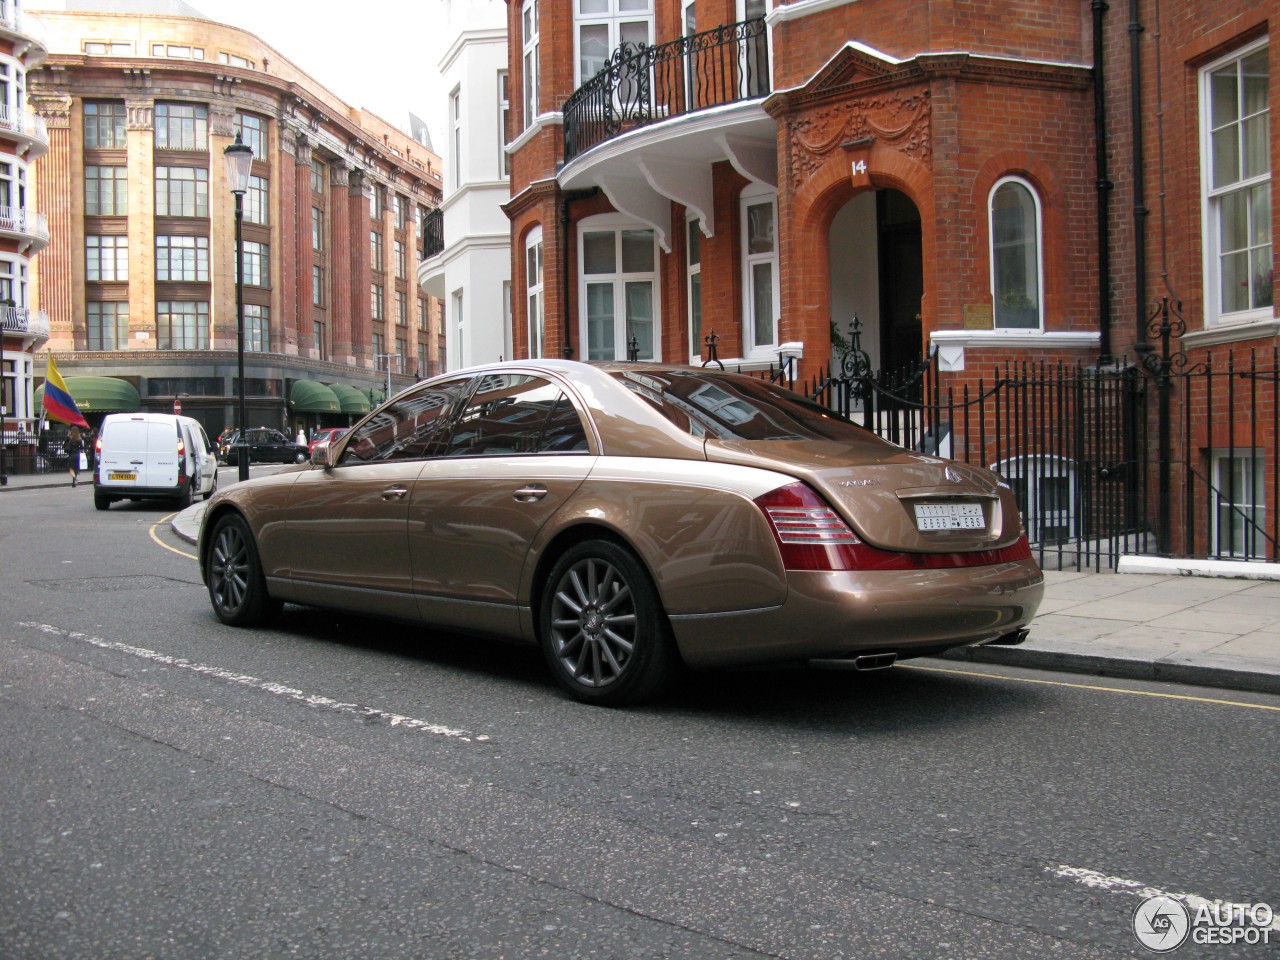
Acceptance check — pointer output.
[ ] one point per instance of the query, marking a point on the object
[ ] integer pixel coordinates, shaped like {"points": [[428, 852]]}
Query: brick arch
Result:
{"points": [[1054, 241], [807, 216]]}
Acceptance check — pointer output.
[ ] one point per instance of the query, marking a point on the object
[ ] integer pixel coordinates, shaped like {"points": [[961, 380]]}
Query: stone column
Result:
{"points": [[58, 280], [359, 255], [302, 246], [340, 317], [283, 219], [139, 150]]}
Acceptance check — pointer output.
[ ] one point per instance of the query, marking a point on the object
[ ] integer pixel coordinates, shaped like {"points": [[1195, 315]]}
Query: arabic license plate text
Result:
{"points": [[950, 516]]}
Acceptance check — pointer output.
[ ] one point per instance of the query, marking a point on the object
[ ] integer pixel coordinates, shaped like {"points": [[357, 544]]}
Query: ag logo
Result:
{"points": [[1161, 923]]}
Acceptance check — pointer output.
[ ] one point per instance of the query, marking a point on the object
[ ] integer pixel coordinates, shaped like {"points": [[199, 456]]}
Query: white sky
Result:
{"points": [[383, 55]]}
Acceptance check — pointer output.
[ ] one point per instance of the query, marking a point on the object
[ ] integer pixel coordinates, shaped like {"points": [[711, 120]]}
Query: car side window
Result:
{"points": [[511, 414], [413, 427]]}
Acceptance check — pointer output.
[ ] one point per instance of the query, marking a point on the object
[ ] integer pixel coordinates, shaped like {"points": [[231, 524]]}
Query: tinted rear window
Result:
{"points": [[727, 406]]}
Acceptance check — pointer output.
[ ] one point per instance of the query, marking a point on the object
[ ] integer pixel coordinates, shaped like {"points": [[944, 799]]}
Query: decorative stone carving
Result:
{"points": [[900, 119], [55, 111], [222, 120], [139, 114]]}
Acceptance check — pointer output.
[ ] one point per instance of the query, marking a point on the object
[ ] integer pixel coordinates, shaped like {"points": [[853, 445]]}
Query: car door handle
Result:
{"points": [[530, 493], [395, 493]]}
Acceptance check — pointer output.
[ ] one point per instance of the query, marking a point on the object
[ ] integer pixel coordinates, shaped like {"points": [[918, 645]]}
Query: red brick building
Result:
{"points": [[977, 182]]}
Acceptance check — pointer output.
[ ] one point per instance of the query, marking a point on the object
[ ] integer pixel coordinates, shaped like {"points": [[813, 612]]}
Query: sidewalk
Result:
{"points": [[1205, 631]]}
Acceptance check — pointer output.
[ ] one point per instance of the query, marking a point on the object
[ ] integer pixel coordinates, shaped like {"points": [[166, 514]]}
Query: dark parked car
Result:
{"points": [[265, 445], [629, 517]]}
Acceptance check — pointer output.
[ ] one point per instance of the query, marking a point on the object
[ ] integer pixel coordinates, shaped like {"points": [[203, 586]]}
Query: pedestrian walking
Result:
{"points": [[73, 448]]}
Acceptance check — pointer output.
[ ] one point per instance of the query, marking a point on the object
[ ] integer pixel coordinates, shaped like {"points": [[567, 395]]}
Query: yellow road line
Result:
{"points": [[1089, 686], [181, 553]]}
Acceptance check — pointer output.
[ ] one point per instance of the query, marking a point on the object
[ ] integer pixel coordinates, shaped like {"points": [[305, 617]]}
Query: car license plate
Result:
{"points": [[950, 516], [123, 476]]}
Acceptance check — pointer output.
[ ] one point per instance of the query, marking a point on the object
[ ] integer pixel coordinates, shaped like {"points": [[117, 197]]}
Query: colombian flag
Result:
{"points": [[58, 402]]}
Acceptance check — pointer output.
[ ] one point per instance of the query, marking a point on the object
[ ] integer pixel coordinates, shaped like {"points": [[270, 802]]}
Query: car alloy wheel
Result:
{"points": [[603, 630], [237, 587]]}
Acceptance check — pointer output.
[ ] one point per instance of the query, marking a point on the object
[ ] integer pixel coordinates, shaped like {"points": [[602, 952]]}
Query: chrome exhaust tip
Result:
{"points": [[863, 663], [1009, 639]]}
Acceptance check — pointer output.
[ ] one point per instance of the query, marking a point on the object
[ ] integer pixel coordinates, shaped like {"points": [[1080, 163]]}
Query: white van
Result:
{"points": [[153, 456]]}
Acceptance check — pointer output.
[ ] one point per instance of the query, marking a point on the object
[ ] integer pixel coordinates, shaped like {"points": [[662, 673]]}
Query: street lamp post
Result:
{"points": [[8, 304], [387, 357], [239, 157]]}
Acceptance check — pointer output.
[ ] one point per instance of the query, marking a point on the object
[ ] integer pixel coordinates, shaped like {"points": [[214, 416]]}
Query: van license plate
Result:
{"points": [[123, 476], [950, 516]]}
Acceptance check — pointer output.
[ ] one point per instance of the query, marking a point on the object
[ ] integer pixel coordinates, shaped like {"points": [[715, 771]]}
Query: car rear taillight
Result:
{"points": [[813, 536]]}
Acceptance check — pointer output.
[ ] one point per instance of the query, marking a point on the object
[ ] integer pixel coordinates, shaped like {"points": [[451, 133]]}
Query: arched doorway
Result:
{"points": [[877, 273]]}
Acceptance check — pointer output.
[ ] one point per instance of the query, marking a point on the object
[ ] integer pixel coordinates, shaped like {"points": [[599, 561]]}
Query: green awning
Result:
{"points": [[351, 399], [99, 395], [312, 396]]}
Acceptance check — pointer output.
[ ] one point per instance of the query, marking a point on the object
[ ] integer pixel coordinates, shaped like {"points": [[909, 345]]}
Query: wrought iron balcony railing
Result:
{"points": [[23, 320], [432, 233], [641, 84]]}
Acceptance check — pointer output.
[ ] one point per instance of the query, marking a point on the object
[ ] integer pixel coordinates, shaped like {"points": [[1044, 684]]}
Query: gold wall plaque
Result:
{"points": [[977, 316]]}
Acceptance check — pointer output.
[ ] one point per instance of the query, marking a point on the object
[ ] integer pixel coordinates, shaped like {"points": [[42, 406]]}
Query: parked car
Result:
{"points": [[265, 445], [631, 519], [325, 435], [152, 456]]}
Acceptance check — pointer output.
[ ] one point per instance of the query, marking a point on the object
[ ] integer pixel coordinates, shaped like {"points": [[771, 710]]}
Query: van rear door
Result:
{"points": [[161, 469], [124, 453]]}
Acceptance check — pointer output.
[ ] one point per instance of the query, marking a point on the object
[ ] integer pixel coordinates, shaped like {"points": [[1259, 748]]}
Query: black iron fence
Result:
{"points": [[641, 84], [1098, 469]]}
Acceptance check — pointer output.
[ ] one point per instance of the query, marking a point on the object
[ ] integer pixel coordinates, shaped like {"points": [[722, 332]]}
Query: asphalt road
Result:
{"points": [[341, 787]]}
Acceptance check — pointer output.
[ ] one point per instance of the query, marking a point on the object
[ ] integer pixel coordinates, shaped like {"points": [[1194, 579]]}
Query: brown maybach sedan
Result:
{"points": [[631, 519]]}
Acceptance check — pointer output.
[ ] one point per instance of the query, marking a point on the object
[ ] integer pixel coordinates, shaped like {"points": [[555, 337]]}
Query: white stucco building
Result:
{"points": [[468, 266]]}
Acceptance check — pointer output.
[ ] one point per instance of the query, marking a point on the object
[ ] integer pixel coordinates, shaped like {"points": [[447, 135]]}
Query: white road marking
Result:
{"points": [[267, 686], [1100, 881]]}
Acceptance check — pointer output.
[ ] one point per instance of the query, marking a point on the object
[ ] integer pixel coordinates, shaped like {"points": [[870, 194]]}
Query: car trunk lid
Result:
{"points": [[893, 498]]}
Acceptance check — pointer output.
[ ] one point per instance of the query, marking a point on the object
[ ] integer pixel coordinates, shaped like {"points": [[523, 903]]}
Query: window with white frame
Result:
{"points": [[177, 50], [106, 325], [107, 48], [257, 201], [104, 125], [182, 325], [601, 26], [106, 259], [537, 321], [181, 126], [257, 269], [106, 191], [504, 113], [761, 296], [455, 137], [459, 324], [252, 131], [257, 327], [529, 41], [182, 192], [1015, 255], [693, 286], [1240, 510], [1045, 488], [1236, 145], [235, 60], [13, 282], [618, 287], [13, 178], [184, 259]]}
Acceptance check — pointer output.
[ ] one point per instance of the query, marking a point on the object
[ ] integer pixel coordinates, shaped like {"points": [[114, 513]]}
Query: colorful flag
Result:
{"points": [[58, 402]]}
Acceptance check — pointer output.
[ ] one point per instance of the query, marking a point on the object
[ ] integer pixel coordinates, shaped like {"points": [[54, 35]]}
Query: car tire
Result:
{"points": [[101, 501], [299, 457], [183, 499], [233, 571], [602, 627]]}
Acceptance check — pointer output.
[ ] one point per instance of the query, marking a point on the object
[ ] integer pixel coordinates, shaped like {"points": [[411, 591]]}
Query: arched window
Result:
{"points": [[1016, 274]]}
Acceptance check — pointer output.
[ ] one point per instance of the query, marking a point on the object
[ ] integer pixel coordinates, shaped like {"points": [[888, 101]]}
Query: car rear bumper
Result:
{"points": [[842, 614]]}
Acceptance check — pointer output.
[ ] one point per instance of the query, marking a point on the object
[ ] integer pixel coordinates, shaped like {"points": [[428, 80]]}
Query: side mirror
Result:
{"points": [[324, 456]]}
